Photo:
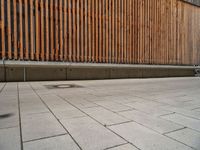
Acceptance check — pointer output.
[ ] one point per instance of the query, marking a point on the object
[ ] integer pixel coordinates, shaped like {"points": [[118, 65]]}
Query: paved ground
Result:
{"points": [[148, 114]]}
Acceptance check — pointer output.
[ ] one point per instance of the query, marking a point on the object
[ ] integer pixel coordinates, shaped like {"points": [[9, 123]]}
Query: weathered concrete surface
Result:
{"points": [[145, 114], [48, 71]]}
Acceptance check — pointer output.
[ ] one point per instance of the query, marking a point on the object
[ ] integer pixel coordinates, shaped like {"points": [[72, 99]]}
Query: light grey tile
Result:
{"points": [[187, 136], [10, 139], [146, 139], [155, 123], [39, 126], [185, 121], [104, 116], [68, 114], [55, 143], [90, 135], [148, 108], [113, 106]]}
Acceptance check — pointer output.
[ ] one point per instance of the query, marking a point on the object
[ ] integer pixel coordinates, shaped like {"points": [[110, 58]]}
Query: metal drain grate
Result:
{"points": [[62, 86]]}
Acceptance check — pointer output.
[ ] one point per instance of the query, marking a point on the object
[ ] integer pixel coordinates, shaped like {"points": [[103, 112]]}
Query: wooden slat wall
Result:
{"points": [[104, 31]]}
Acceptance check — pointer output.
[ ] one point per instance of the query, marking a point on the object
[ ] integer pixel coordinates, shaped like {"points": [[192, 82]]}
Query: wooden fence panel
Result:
{"points": [[101, 31]]}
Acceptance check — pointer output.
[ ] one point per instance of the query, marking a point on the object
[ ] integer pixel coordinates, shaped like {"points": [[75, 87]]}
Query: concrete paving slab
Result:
{"points": [[64, 142], [33, 108], [91, 135], [68, 114], [146, 139], [124, 147], [182, 111], [10, 139], [104, 116], [187, 136], [145, 107], [113, 106], [185, 121], [38, 126], [160, 125]]}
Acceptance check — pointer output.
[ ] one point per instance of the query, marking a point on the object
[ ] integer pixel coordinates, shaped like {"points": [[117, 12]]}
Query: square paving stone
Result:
{"points": [[90, 135], [183, 120], [113, 106], [104, 116], [158, 124], [148, 109], [146, 139], [38, 126], [64, 142], [187, 136], [10, 139]]}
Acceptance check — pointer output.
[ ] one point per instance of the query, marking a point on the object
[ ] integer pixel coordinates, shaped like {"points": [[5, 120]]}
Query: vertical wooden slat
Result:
{"points": [[61, 29], [118, 30], [3, 30], [70, 29], [52, 29], [78, 29], [113, 30], [56, 4], [42, 29], [65, 30], [15, 29], [32, 35], [96, 30], [89, 30], [82, 30], [93, 37], [26, 29], [9, 30], [37, 43], [100, 30], [47, 28], [21, 44], [107, 29]]}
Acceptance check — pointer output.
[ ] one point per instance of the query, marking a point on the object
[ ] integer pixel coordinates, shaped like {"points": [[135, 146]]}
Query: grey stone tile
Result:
{"points": [[185, 112], [187, 136], [10, 139], [32, 108], [11, 118], [68, 114], [113, 106], [104, 116], [55, 143], [90, 135], [155, 123], [185, 121], [146, 139], [149, 109], [39, 126], [124, 147]]}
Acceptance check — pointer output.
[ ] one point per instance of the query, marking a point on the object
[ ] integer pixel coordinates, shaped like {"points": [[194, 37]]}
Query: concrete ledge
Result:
{"points": [[45, 71], [9, 63]]}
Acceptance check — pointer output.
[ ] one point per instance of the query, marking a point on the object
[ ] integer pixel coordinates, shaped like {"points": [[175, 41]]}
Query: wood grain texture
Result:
{"points": [[102, 31]]}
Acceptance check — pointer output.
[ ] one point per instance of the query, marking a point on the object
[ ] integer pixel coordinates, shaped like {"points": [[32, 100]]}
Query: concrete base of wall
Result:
{"points": [[11, 74]]}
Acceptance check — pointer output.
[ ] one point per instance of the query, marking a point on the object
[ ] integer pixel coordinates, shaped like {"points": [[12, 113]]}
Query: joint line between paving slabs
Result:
{"points": [[55, 116], [19, 111], [116, 146], [174, 130], [46, 137], [3, 87], [97, 121]]}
